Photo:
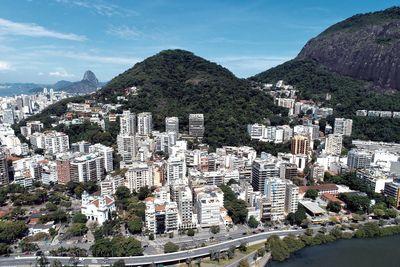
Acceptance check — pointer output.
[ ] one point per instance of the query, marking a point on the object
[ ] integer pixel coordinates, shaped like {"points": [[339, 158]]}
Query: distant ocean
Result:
{"points": [[9, 91]]}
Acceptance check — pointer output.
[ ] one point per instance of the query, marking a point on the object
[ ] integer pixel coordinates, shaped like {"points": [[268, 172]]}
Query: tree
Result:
{"points": [[243, 247], [102, 248], [293, 243], [244, 263], [119, 263], [151, 236], [144, 192], [122, 193], [56, 263], [253, 223], [77, 229], [278, 248], [333, 206], [10, 231], [170, 247], [79, 218], [231, 252], [135, 226], [215, 229], [190, 232], [4, 249], [42, 261], [311, 193], [300, 215], [28, 246]]}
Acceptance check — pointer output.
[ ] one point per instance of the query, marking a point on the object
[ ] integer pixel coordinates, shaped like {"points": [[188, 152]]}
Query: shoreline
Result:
{"points": [[370, 231]]}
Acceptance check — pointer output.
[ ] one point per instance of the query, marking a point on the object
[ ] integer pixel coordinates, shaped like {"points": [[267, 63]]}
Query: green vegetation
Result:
{"points": [[359, 21], [311, 193], [215, 229], [11, 231], [79, 218], [359, 203], [314, 81], [87, 131], [77, 229], [253, 223], [170, 247], [69, 252], [117, 247], [176, 83], [135, 226], [237, 208]]}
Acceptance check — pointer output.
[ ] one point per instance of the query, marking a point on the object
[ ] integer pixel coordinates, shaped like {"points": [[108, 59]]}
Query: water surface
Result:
{"points": [[375, 252]]}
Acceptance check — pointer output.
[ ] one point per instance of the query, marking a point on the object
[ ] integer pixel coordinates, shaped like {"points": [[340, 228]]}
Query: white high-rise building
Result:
{"points": [[127, 123], [358, 159], [172, 124], [275, 192], [263, 169], [208, 209], [182, 195], [333, 144], [110, 184], [343, 126], [144, 123], [292, 197], [56, 142], [88, 167], [139, 174], [176, 170], [107, 153], [196, 125], [127, 147]]}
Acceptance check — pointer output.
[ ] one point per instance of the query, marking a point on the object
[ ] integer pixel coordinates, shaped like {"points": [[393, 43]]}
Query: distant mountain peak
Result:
{"points": [[90, 77]]}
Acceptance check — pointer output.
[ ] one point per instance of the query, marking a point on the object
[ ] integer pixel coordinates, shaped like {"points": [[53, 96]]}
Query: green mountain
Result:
{"points": [[177, 82]]}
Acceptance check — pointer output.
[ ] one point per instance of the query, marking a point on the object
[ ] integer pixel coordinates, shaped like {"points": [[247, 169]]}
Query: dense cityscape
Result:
{"points": [[168, 191], [170, 159]]}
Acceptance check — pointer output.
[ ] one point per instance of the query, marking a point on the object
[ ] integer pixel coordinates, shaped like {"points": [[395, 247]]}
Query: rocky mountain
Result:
{"points": [[364, 47], [88, 84]]}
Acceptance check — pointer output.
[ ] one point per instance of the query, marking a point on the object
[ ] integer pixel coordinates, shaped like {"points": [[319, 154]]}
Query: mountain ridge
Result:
{"points": [[364, 47]]}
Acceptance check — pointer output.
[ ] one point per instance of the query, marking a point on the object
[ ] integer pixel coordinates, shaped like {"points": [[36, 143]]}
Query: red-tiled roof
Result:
{"points": [[160, 207], [321, 187], [109, 201], [96, 203], [330, 197]]}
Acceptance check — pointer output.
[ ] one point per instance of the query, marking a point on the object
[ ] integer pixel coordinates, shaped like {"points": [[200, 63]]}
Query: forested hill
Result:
{"points": [[177, 82]]}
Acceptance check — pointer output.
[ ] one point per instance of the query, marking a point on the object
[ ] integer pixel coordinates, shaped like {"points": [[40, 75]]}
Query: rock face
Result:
{"points": [[365, 47], [88, 84], [90, 77]]}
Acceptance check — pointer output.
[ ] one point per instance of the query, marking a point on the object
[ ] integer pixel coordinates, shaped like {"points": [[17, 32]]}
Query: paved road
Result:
{"points": [[149, 259]]}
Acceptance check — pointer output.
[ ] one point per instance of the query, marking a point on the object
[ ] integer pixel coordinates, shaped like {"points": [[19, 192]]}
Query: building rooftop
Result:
{"points": [[312, 207], [321, 187]]}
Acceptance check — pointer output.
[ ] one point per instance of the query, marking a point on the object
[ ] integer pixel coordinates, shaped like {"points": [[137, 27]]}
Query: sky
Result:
{"points": [[44, 41]]}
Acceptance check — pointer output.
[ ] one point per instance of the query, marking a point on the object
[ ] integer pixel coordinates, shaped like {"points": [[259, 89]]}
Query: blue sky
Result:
{"points": [[45, 41]]}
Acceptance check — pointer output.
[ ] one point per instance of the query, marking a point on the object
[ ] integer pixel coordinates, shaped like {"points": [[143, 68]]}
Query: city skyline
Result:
{"points": [[59, 40]]}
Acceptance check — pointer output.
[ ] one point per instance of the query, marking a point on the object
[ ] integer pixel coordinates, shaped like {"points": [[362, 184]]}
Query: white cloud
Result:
{"points": [[124, 32], [100, 7], [8, 27], [61, 72], [5, 66]]}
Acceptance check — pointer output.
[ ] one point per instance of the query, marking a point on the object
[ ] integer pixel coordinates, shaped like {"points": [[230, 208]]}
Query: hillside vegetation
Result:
{"points": [[177, 82]]}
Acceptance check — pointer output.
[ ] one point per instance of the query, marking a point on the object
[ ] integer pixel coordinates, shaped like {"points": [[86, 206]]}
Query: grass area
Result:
{"points": [[238, 255]]}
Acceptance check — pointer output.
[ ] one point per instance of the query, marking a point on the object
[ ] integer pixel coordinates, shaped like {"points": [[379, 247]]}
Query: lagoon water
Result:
{"points": [[375, 252]]}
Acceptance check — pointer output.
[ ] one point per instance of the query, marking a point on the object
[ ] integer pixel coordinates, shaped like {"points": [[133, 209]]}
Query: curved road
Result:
{"points": [[150, 259]]}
